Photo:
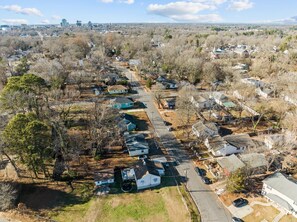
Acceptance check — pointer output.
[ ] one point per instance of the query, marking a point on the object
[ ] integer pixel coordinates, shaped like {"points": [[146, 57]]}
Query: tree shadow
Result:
{"points": [[38, 197]]}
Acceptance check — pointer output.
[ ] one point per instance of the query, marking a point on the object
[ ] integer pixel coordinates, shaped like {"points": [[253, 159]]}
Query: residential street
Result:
{"points": [[210, 207]]}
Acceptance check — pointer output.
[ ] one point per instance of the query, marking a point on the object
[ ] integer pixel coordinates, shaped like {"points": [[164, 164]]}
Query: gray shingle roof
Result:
{"points": [[239, 140], [254, 160], [283, 185], [122, 100], [230, 163]]}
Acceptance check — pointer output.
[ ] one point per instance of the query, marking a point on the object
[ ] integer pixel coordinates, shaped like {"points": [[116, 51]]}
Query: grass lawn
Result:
{"points": [[288, 218], [262, 212], [164, 204]]}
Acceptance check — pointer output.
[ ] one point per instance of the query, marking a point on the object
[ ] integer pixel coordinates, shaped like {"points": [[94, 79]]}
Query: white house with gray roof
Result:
{"points": [[282, 191], [136, 144], [230, 144], [207, 129]]}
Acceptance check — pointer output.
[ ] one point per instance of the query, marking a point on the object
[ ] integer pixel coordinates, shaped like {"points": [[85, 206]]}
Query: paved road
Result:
{"points": [[211, 209]]}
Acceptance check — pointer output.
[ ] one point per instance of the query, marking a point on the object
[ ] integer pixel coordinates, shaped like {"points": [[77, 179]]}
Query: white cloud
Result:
{"points": [[240, 5], [18, 9], [14, 21], [45, 21], [178, 8], [187, 11], [120, 1], [56, 17], [128, 2], [106, 1], [197, 18]]}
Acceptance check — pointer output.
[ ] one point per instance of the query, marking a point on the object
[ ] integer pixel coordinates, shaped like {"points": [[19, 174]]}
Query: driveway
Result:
{"points": [[210, 208], [240, 212]]}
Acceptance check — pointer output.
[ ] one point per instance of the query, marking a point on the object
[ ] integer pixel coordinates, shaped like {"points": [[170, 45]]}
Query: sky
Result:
{"points": [[146, 11]]}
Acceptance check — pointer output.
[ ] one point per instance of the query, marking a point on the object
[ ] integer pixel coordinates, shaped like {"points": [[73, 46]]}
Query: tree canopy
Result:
{"points": [[29, 139]]}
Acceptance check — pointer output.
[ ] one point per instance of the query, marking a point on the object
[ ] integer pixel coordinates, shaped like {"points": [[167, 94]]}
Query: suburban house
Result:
{"points": [[204, 130], [219, 147], [253, 81], [159, 159], [242, 51], [242, 68], [117, 89], [222, 100], [126, 123], [104, 177], [241, 141], [265, 92], [274, 140], [146, 175], [230, 164], [168, 103], [155, 164], [282, 191], [161, 79], [169, 84], [202, 101], [122, 103], [110, 78], [136, 144], [217, 53], [227, 145], [256, 163]]}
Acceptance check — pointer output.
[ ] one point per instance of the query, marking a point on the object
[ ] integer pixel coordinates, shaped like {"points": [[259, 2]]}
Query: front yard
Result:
{"points": [[150, 205], [261, 213]]}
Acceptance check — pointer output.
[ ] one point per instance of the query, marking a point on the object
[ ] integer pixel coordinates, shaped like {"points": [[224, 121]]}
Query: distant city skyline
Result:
{"points": [[16, 12]]}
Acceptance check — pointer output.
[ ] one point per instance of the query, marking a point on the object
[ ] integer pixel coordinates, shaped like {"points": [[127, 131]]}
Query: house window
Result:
{"points": [[142, 181], [155, 180]]}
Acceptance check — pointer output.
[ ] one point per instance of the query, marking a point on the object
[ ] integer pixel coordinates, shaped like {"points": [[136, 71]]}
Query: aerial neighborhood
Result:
{"points": [[147, 122]]}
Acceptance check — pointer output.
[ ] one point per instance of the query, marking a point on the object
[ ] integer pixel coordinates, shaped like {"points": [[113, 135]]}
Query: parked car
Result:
{"points": [[200, 172], [206, 180], [236, 219], [167, 123], [240, 202]]}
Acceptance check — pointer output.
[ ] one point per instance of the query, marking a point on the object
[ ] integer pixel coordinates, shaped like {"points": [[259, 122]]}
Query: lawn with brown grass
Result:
{"points": [[288, 218], [261, 213], [164, 204]]}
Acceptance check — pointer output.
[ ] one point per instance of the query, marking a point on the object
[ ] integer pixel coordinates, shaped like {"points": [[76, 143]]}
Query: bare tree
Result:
{"points": [[104, 131], [185, 108]]}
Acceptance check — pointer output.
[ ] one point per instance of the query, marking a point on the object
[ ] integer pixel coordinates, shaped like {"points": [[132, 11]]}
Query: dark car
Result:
{"points": [[240, 202], [236, 219], [206, 180], [167, 123], [200, 172]]}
